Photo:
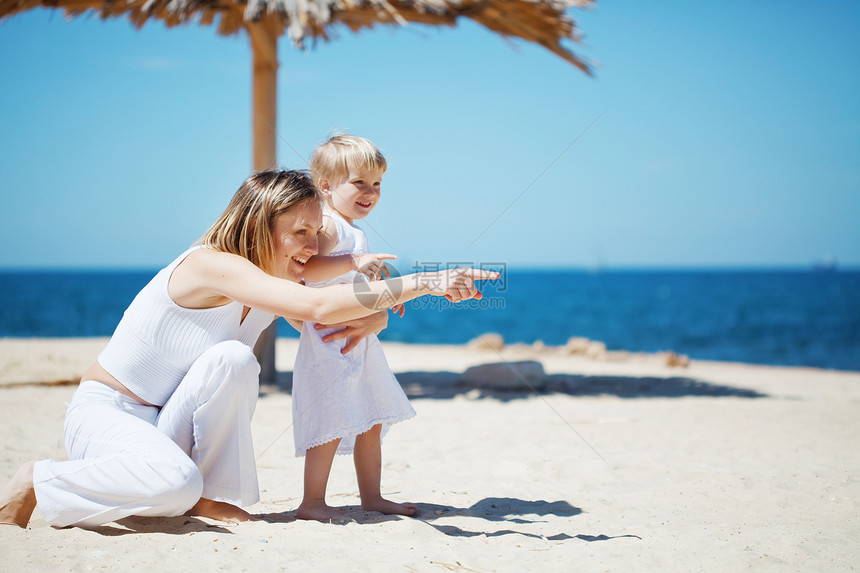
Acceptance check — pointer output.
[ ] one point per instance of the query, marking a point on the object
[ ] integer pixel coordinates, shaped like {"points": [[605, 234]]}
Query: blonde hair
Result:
{"points": [[245, 227], [333, 159]]}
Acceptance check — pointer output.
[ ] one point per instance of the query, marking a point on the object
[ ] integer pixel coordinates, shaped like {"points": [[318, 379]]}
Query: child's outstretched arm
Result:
{"points": [[320, 267]]}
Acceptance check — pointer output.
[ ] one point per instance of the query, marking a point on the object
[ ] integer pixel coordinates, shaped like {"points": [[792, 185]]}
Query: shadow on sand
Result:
{"points": [[347, 514], [180, 525], [508, 510], [447, 385], [503, 510]]}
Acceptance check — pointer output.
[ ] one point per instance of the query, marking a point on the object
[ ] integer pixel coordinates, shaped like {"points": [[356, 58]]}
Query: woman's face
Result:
{"points": [[295, 238]]}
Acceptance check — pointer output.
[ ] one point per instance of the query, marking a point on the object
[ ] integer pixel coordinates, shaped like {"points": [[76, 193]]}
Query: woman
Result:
{"points": [[160, 424]]}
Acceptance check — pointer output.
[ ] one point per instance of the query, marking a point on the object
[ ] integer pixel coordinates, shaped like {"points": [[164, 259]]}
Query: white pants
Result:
{"points": [[129, 459]]}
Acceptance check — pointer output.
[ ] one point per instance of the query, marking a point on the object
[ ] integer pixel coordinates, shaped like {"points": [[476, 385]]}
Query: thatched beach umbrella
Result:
{"points": [[543, 22]]}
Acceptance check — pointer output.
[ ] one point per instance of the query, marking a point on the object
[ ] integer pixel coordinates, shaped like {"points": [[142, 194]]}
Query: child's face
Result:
{"points": [[356, 197]]}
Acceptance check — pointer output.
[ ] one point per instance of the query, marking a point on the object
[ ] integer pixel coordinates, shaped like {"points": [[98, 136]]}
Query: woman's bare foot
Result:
{"points": [[18, 498], [220, 510], [382, 505], [318, 511]]}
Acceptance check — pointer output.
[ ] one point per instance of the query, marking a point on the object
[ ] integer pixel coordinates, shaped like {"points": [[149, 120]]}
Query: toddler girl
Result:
{"points": [[344, 402]]}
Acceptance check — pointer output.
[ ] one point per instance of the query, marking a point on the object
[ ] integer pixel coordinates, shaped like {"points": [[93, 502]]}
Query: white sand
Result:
{"points": [[688, 472]]}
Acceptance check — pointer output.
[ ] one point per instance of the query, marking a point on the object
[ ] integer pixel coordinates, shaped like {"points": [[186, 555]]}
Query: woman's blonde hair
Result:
{"points": [[245, 227], [333, 159]]}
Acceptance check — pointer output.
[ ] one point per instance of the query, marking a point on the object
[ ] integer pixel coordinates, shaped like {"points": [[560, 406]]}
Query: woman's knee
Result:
{"points": [[231, 365], [236, 357]]}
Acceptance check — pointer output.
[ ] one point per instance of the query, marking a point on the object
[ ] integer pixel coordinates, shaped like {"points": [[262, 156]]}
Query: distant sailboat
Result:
{"points": [[825, 265], [597, 265]]}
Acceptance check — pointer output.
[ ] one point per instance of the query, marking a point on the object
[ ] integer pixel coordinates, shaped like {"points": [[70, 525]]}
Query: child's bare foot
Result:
{"points": [[220, 510], [18, 498], [382, 505], [318, 511]]}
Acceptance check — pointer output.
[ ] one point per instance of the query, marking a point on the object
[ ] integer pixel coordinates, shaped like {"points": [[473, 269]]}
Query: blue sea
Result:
{"points": [[788, 317]]}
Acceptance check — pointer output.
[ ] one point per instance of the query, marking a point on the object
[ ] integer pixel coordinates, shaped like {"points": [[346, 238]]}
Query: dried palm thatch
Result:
{"points": [[542, 22]]}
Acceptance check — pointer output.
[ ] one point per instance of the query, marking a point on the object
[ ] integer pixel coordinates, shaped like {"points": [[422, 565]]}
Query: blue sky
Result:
{"points": [[713, 134]]}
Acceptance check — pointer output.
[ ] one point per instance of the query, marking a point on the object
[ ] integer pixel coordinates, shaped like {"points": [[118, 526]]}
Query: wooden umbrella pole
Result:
{"points": [[264, 45]]}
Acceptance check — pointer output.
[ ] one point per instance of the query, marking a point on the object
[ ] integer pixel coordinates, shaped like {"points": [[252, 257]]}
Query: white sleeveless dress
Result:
{"points": [[342, 396]]}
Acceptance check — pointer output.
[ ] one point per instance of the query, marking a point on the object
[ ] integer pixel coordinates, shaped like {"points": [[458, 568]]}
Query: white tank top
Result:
{"points": [[157, 341]]}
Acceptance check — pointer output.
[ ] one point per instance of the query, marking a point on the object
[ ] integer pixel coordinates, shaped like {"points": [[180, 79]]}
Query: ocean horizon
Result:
{"points": [[792, 316]]}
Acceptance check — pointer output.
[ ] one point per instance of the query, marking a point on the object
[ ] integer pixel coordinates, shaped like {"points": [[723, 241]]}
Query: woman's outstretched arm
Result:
{"points": [[208, 278]]}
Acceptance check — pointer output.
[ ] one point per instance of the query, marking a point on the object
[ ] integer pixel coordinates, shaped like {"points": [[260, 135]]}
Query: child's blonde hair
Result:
{"points": [[333, 159], [245, 227]]}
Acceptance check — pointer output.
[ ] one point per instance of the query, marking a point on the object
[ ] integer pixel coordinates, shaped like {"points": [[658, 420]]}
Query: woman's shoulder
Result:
{"points": [[207, 256], [198, 279]]}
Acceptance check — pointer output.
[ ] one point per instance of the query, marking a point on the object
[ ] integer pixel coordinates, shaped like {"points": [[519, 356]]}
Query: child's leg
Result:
{"points": [[368, 469], [318, 462]]}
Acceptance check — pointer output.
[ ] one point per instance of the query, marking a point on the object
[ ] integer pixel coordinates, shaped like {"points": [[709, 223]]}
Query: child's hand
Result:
{"points": [[372, 265], [398, 309]]}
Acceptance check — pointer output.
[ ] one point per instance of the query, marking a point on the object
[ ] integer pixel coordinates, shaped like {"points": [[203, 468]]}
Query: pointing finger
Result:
{"points": [[481, 274]]}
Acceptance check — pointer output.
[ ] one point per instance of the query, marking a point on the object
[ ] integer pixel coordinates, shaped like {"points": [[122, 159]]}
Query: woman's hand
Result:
{"points": [[457, 284], [372, 265], [355, 330]]}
